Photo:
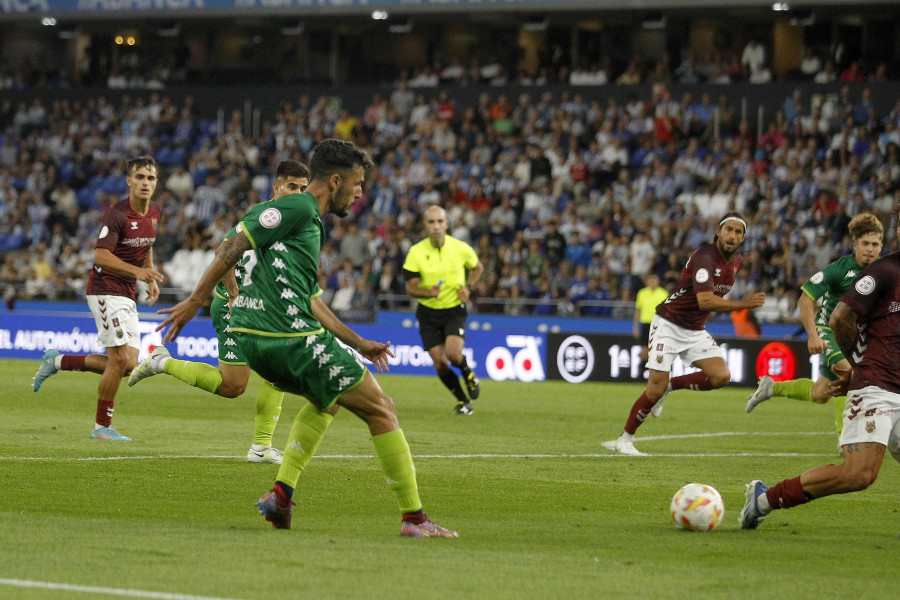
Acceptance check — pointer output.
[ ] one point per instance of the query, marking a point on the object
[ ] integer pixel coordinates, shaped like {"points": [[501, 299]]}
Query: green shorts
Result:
{"points": [[229, 351], [315, 366], [832, 356]]}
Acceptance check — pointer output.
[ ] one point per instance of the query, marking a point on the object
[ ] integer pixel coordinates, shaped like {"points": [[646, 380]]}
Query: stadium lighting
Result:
{"points": [[292, 28], [380, 15], [48, 22], [781, 6]]}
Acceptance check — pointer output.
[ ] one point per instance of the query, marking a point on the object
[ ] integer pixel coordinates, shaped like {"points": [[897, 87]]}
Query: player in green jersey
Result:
{"points": [[829, 284], [230, 379], [286, 343]]}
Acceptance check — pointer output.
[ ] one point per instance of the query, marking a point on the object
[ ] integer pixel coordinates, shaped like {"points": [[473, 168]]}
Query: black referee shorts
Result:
{"points": [[436, 324]]}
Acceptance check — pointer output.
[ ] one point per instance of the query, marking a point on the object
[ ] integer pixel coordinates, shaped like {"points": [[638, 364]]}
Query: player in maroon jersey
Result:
{"points": [[866, 327], [679, 327], [123, 256]]}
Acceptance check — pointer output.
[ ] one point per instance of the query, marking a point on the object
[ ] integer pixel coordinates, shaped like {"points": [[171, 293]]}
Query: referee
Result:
{"points": [[440, 271]]}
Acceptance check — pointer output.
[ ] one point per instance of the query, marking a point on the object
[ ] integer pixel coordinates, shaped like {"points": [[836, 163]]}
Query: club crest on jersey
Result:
{"points": [[817, 278], [104, 231], [702, 276], [866, 285], [870, 427], [270, 217]]}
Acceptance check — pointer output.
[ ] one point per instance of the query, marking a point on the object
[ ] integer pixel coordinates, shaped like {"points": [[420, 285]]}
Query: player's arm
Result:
{"points": [[105, 259], [227, 255], [708, 301], [152, 287], [413, 289], [814, 343], [843, 325], [377, 352], [471, 279]]}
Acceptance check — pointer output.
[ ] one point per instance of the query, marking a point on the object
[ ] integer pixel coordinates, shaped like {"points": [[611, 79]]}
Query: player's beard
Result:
{"points": [[341, 211]]}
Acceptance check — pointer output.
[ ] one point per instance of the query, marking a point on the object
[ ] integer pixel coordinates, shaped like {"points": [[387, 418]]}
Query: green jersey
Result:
{"points": [[830, 284], [281, 276], [239, 270]]}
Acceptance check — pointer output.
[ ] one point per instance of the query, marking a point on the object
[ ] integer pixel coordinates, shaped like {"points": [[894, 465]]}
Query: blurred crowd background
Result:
{"points": [[569, 193]]}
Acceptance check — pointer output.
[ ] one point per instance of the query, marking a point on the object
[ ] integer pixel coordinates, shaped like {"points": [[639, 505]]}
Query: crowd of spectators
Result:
{"points": [[569, 201]]}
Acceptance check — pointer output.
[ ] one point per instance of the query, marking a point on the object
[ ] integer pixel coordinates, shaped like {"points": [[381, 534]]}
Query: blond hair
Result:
{"points": [[865, 223]]}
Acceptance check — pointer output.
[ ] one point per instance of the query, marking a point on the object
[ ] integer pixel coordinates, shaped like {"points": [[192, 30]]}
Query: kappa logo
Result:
{"points": [[292, 310], [230, 342], [287, 294], [325, 358], [231, 356], [334, 371], [278, 264], [279, 246]]}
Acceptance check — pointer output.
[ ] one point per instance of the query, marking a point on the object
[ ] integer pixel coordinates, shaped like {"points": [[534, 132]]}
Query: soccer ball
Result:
{"points": [[697, 507]]}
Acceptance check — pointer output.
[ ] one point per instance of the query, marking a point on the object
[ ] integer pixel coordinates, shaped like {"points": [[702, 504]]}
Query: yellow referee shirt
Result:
{"points": [[646, 302], [446, 264]]}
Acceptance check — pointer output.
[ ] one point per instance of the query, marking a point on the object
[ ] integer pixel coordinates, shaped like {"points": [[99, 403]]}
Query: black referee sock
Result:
{"points": [[463, 366], [450, 380]]}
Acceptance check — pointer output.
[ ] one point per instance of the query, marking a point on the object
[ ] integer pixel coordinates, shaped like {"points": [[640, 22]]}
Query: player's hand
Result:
{"points": [[840, 387], [377, 352], [147, 275], [435, 291], [464, 293], [152, 293], [756, 300], [816, 345], [179, 315]]}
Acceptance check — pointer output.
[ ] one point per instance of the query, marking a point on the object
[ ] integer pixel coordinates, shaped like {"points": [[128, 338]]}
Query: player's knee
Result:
{"points": [[230, 390], [442, 366], [720, 379], [859, 479]]}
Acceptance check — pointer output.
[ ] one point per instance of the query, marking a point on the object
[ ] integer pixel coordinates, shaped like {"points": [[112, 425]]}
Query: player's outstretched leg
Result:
{"points": [[752, 514], [47, 368], [150, 366], [762, 393]]}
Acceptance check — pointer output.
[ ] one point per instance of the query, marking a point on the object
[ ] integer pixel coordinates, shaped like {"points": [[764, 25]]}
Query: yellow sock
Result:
{"points": [[200, 375], [268, 409], [397, 464], [306, 433], [839, 402]]}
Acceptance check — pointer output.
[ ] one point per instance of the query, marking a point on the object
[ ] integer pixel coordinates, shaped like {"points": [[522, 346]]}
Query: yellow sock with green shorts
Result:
{"points": [[268, 409], [306, 433], [397, 465], [839, 402], [198, 374], [798, 389]]}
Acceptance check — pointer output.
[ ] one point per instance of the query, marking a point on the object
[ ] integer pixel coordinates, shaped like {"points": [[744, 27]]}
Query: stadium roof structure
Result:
{"points": [[113, 9]]}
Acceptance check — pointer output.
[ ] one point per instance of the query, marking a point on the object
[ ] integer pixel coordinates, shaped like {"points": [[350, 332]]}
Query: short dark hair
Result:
{"points": [[139, 162], [331, 156], [292, 168]]}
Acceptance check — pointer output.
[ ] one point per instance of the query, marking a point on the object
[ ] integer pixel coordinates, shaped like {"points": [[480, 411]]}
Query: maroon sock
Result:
{"points": [[694, 381], [73, 362], [105, 412], [639, 412], [417, 517], [787, 494]]}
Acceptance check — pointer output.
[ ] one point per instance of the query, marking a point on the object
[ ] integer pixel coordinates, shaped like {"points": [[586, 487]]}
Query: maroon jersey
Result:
{"points": [[129, 236], [705, 271], [875, 298]]}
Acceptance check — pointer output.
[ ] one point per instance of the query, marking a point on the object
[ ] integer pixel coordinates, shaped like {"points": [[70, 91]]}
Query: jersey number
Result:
{"points": [[247, 266]]}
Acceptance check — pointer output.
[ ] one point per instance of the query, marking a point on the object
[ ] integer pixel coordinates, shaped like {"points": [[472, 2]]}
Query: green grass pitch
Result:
{"points": [[543, 511]]}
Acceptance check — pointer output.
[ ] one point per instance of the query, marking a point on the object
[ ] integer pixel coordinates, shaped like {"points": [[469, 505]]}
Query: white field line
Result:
{"points": [[90, 589], [464, 456]]}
